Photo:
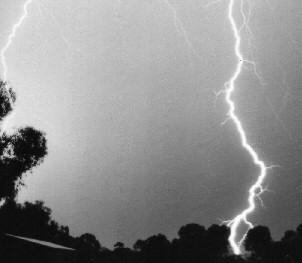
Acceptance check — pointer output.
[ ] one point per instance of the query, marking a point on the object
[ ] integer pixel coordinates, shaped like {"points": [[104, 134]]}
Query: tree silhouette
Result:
{"points": [[155, 249], [193, 233], [191, 245], [288, 235], [20, 152], [217, 240], [88, 248], [258, 241], [122, 254], [195, 243], [138, 246], [198, 244], [299, 230], [295, 248], [119, 245], [7, 98]]}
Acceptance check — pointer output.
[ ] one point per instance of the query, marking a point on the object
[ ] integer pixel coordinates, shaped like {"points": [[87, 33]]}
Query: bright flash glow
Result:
{"points": [[257, 188], [6, 47]]}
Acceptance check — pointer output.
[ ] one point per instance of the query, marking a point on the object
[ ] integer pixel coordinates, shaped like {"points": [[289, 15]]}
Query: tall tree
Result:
{"points": [[20, 152]]}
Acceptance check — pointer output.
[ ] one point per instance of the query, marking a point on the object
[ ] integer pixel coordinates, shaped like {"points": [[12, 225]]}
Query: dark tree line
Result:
{"points": [[194, 243]]}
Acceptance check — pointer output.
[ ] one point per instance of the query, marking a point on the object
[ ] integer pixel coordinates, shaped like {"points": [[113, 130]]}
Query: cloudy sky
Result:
{"points": [[125, 91]]}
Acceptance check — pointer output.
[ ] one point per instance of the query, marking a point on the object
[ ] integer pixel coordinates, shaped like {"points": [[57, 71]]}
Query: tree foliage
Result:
{"points": [[20, 152], [258, 240], [88, 248]]}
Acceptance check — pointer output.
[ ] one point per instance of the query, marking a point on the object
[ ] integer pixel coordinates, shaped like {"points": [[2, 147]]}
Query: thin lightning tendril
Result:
{"points": [[211, 3], [60, 30], [256, 189], [5, 48], [180, 28]]}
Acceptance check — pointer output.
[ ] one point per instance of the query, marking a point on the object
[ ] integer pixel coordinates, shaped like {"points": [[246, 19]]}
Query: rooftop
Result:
{"points": [[40, 242]]}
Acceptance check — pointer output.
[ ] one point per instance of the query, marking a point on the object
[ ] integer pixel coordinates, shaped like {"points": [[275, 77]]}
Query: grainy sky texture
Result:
{"points": [[125, 91]]}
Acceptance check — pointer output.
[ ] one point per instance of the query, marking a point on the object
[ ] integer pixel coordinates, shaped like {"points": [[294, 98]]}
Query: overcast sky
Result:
{"points": [[125, 91]]}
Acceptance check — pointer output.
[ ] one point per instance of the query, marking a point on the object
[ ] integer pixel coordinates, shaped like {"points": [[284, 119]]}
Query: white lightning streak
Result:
{"points": [[257, 188], [6, 47], [11, 36]]}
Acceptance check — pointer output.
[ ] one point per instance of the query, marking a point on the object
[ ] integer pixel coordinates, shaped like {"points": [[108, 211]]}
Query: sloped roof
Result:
{"points": [[40, 242]]}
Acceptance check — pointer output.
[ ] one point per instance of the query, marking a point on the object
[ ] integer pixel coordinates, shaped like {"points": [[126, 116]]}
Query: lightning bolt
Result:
{"points": [[11, 37], [6, 47], [257, 188]]}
